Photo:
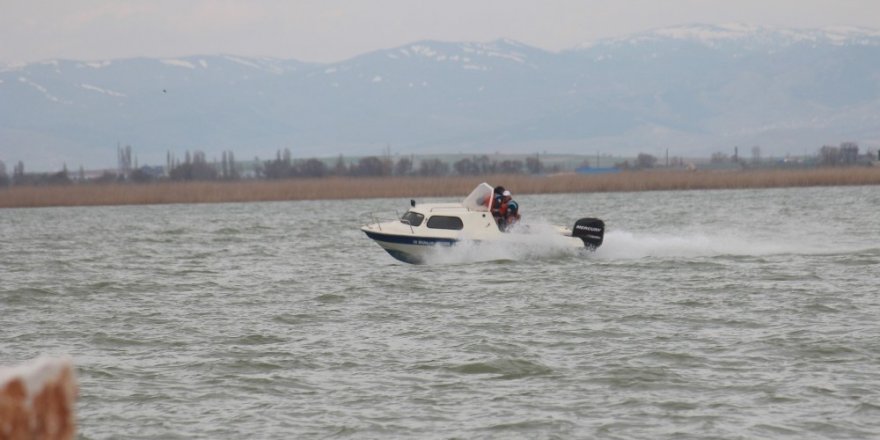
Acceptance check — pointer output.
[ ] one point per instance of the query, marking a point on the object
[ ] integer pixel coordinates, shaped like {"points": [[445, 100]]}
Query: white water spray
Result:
{"points": [[622, 245], [533, 240]]}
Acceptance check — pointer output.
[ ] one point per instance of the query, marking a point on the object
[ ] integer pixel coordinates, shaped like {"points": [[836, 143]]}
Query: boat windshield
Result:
{"points": [[412, 218], [480, 198]]}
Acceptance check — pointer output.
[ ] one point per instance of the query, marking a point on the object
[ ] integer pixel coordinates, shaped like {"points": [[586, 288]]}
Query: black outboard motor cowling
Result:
{"points": [[590, 230]]}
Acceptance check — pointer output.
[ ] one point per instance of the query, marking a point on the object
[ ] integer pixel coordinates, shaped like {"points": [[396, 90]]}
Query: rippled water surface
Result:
{"points": [[706, 314]]}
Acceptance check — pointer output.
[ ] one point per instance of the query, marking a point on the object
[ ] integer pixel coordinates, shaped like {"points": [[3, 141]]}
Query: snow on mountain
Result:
{"points": [[178, 63], [104, 91], [747, 36], [96, 64], [694, 89], [43, 90]]}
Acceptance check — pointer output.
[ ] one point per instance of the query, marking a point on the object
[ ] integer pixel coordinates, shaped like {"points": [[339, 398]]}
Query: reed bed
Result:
{"points": [[406, 187]]}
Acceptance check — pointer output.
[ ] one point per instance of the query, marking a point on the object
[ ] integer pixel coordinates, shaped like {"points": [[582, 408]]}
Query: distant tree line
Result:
{"points": [[195, 166], [643, 161], [19, 177], [283, 166], [845, 154]]}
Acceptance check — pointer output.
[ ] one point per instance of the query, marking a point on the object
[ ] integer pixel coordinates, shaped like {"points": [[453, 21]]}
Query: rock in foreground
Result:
{"points": [[37, 400]]}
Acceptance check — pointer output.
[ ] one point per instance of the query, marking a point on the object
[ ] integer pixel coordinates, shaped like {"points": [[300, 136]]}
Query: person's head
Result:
{"points": [[506, 195], [499, 190]]}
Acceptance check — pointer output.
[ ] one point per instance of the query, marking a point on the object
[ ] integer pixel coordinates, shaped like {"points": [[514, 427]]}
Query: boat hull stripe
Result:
{"points": [[412, 240]]}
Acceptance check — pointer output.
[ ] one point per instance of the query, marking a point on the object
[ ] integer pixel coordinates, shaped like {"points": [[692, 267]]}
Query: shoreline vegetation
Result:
{"points": [[335, 188]]}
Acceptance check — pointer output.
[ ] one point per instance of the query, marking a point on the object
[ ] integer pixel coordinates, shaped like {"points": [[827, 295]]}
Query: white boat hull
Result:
{"points": [[409, 249], [416, 249]]}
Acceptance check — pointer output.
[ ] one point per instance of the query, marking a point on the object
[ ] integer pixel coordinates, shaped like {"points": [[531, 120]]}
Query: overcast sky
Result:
{"points": [[332, 30]]}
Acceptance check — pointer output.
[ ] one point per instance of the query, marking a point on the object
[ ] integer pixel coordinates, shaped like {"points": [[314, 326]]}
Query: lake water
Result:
{"points": [[706, 314]]}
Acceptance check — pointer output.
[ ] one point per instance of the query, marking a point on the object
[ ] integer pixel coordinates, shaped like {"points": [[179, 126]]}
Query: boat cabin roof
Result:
{"points": [[479, 200]]}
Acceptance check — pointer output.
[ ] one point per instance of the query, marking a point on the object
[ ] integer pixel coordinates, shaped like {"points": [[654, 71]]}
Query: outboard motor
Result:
{"points": [[590, 230]]}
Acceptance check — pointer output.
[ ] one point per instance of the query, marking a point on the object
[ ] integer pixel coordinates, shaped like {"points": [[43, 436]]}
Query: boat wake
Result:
{"points": [[621, 245], [543, 242]]}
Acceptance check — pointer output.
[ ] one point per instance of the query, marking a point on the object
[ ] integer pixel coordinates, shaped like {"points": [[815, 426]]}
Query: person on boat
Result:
{"points": [[496, 203], [508, 211], [511, 209], [499, 191]]}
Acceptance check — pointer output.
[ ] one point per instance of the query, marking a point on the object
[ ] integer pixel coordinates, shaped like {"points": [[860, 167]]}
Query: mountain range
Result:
{"points": [[692, 90]]}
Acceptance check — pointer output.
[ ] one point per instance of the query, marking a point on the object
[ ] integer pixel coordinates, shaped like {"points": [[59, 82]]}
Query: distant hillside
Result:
{"points": [[692, 89]]}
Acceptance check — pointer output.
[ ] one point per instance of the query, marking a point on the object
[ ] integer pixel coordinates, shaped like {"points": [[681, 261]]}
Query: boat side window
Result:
{"points": [[445, 222], [412, 218]]}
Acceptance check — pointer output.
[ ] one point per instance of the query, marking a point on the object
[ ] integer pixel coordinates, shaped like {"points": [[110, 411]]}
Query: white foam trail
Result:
{"points": [[535, 240], [628, 245], [542, 241]]}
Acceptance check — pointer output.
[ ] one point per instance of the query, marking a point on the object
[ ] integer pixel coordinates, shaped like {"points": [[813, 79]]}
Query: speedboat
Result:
{"points": [[425, 227]]}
